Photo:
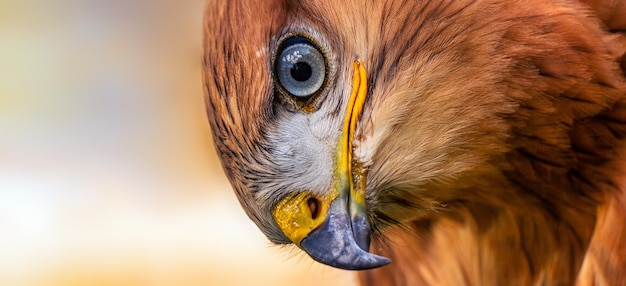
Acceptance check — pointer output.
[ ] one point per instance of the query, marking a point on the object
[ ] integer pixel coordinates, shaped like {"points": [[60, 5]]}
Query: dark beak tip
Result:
{"points": [[372, 261], [347, 257]]}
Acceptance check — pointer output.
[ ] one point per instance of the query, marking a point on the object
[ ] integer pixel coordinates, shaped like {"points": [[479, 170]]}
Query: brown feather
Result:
{"points": [[556, 215]]}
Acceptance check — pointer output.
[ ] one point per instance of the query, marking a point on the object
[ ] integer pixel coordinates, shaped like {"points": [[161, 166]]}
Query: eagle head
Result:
{"points": [[335, 120]]}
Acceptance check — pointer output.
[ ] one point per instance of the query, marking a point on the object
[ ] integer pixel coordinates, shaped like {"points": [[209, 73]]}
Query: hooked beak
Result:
{"points": [[334, 229]]}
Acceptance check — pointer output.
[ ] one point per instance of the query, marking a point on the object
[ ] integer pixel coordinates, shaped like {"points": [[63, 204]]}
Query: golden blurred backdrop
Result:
{"points": [[107, 171]]}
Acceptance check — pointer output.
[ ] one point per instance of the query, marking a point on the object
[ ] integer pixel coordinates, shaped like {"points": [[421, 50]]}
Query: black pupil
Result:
{"points": [[301, 71]]}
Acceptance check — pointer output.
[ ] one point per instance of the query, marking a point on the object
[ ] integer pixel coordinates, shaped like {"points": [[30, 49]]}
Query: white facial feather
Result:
{"points": [[304, 154]]}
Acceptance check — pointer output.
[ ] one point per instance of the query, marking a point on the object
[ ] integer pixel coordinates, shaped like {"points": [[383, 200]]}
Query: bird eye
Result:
{"points": [[300, 68]]}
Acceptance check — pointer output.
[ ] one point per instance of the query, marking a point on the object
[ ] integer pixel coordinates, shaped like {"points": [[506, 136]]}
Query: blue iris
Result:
{"points": [[300, 68]]}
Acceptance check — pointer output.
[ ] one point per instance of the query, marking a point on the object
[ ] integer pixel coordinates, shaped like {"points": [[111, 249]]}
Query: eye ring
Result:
{"points": [[300, 68]]}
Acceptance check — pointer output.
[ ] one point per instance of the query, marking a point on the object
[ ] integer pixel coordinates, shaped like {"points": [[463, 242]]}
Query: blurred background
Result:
{"points": [[108, 175]]}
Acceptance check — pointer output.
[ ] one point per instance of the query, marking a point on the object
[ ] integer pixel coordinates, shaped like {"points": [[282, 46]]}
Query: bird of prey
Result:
{"points": [[441, 142]]}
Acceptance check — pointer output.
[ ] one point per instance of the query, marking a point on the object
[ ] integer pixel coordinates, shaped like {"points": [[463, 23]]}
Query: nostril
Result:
{"points": [[314, 207]]}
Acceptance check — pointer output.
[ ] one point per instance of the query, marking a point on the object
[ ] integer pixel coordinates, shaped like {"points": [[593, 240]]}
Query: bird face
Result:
{"points": [[332, 122]]}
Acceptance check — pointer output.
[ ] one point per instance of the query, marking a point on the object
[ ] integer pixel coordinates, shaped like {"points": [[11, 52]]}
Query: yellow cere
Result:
{"points": [[293, 215]]}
